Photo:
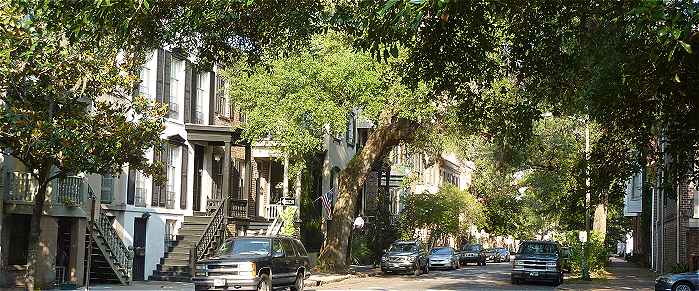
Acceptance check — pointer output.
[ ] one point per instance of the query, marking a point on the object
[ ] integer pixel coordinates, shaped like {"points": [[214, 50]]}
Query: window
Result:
{"points": [[170, 232], [202, 93], [171, 155], [696, 202], [140, 189], [288, 249], [221, 97], [19, 238], [176, 70], [107, 189], [144, 75], [277, 247]]}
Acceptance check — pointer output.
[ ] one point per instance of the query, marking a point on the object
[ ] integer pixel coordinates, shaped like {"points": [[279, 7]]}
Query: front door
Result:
{"points": [[198, 169], [139, 246]]}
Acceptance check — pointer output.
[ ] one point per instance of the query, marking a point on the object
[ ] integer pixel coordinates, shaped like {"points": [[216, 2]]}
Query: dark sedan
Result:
{"points": [[678, 282]]}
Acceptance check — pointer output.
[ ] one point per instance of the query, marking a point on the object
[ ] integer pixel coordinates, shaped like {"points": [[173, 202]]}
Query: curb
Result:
{"points": [[315, 283]]}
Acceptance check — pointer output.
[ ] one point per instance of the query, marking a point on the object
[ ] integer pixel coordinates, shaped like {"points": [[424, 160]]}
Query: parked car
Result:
{"points": [[254, 263], [491, 255], [504, 255], [472, 253], [678, 282], [444, 257], [538, 261], [405, 256]]}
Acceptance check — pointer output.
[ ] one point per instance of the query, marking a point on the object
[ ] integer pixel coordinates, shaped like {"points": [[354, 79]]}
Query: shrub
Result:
{"points": [[597, 250]]}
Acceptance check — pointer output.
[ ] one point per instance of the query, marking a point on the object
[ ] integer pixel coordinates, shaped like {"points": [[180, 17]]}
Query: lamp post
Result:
{"points": [[586, 250]]}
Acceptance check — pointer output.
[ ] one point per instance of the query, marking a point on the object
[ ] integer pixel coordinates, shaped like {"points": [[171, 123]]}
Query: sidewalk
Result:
{"points": [[318, 279], [623, 276]]}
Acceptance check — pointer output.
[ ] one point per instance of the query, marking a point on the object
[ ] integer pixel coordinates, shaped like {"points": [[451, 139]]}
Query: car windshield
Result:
{"points": [[245, 247], [472, 248], [402, 248], [538, 249], [441, 251]]}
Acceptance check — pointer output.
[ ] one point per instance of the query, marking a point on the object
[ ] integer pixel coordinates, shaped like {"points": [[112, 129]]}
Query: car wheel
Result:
{"points": [[683, 287], [265, 283], [298, 284]]}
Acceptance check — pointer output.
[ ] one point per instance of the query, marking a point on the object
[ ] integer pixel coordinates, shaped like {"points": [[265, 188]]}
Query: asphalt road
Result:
{"points": [[494, 276]]}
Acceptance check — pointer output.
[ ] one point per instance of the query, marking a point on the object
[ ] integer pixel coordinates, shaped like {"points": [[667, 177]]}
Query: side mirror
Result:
{"points": [[278, 255]]}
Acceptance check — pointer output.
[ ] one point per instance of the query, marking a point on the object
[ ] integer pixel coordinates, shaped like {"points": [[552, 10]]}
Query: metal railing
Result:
{"points": [[238, 209], [120, 255], [68, 191], [212, 236]]}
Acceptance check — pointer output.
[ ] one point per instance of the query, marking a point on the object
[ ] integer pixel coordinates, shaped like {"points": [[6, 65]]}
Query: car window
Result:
{"points": [[441, 251], [472, 248], [538, 249], [277, 247], [288, 249], [300, 249], [245, 247], [403, 247]]}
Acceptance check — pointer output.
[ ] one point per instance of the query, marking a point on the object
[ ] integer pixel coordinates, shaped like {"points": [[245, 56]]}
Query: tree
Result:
{"points": [[66, 69]]}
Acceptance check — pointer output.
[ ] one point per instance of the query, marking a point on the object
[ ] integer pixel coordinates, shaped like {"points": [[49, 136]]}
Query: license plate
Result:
{"points": [[219, 282], [534, 274]]}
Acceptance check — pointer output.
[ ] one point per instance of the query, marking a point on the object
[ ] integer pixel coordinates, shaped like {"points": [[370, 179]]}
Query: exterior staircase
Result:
{"points": [[175, 265], [111, 261]]}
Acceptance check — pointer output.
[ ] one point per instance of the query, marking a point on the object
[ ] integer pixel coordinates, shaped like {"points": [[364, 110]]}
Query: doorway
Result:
{"points": [[63, 244], [139, 246], [198, 168]]}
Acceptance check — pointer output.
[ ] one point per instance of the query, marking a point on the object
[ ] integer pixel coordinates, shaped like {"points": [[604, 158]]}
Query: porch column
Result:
{"points": [[247, 179], [285, 189], [226, 177]]}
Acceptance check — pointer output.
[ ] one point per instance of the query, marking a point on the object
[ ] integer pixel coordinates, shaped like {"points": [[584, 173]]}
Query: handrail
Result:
{"points": [[122, 256], [214, 226]]}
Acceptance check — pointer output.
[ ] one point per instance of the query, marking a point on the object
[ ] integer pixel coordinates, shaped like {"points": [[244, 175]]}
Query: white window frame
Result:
{"points": [[107, 186], [171, 162], [140, 189], [176, 90], [202, 93]]}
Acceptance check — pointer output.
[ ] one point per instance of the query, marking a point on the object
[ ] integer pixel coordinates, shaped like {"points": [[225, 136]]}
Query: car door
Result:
{"points": [[278, 263], [289, 261]]}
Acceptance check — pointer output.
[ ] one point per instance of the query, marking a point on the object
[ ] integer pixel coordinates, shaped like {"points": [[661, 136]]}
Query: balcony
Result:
{"points": [[65, 197]]}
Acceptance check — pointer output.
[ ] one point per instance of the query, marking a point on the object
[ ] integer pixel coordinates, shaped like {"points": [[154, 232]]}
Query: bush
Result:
{"points": [[288, 217], [597, 250], [361, 254]]}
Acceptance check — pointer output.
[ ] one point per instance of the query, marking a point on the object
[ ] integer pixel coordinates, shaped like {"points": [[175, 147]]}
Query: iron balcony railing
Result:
{"points": [[22, 187]]}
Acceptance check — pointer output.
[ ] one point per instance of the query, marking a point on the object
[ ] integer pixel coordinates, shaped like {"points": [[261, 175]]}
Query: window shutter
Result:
{"points": [[195, 89], [212, 96], [166, 80], [164, 157], [183, 180], [160, 75], [131, 187], [155, 196], [187, 92]]}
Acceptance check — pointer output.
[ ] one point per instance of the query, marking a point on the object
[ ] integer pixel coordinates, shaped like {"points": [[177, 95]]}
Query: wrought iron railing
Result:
{"points": [[120, 255], [238, 209], [22, 187], [212, 236]]}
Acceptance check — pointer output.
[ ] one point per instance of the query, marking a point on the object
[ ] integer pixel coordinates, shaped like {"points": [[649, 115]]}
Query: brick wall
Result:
{"points": [[669, 244]]}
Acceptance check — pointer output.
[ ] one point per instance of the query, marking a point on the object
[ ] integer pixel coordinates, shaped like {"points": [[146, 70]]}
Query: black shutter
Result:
{"points": [[164, 156], [131, 187], [160, 75], [187, 92], [212, 97], [195, 89], [183, 179], [155, 196], [166, 80]]}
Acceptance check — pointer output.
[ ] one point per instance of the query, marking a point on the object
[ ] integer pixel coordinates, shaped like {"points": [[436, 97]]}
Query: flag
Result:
{"points": [[326, 200]]}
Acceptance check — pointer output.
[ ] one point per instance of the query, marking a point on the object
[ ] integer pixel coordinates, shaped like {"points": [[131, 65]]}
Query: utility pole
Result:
{"points": [[586, 250]]}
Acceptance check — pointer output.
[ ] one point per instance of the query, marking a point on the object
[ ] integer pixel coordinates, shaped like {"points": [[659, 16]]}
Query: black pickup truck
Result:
{"points": [[539, 261], [254, 263]]}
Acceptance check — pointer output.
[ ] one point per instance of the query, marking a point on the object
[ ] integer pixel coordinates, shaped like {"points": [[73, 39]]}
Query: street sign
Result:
{"points": [[288, 201]]}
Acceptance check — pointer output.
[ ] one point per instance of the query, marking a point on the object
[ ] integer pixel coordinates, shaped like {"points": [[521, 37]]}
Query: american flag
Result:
{"points": [[326, 199]]}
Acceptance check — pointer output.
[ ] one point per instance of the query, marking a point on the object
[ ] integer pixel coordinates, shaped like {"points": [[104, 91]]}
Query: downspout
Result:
{"points": [[677, 221]]}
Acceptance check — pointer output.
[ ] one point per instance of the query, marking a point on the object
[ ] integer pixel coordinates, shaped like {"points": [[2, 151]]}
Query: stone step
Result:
{"points": [[176, 262], [197, 220]]}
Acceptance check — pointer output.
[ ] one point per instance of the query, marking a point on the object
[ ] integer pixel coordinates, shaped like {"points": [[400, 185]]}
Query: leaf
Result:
{"points": [[677, 78], [394, 51], [387, 7], [687, 47]]}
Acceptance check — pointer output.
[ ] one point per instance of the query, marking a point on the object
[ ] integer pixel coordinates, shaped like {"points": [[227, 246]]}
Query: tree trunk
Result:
{"points": [[600, 223], [389, 133], [35, 231]]}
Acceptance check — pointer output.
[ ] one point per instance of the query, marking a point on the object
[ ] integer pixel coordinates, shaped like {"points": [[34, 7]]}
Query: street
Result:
{"points": [[494, 276]]}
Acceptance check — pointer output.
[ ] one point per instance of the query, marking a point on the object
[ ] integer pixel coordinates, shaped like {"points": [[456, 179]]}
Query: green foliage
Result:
{"points": [[361, 253], [598, 252], [288, 218], [299, 99], [447, 212]]}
